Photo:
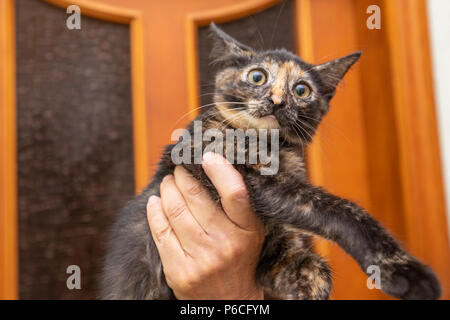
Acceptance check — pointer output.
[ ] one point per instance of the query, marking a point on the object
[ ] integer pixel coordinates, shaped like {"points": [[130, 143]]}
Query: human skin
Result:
{"points": [[207, 252]]}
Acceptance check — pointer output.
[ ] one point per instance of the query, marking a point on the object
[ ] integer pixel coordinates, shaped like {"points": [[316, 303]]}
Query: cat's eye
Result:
{"points": [[301, 90], [257, 77]]}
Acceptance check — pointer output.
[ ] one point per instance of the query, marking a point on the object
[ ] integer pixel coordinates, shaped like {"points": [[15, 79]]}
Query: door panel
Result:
{"points": [[377, 146], [74, 146]]}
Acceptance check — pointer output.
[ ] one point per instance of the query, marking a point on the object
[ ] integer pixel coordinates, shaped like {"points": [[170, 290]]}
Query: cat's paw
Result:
{"points": [[409, 279]]}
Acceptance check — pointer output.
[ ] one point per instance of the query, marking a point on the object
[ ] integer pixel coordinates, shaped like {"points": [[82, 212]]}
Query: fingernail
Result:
{"points": [[152, 200], [208, 157], [167, 178]]}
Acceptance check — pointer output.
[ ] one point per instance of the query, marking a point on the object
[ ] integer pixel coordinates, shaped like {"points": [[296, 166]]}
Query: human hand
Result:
{"points": [[207, 252]]}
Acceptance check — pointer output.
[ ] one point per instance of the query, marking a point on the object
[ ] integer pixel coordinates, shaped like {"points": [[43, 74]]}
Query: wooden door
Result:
{"points": [[378, 146]]}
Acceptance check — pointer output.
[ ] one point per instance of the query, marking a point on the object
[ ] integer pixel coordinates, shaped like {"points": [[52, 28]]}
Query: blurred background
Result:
{"points": [[86, 109]]}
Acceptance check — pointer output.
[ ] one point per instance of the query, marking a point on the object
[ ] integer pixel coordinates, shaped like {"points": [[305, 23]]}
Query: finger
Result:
{"points": [[187, 229], [205, 210], [162, 233], [233, 192]]}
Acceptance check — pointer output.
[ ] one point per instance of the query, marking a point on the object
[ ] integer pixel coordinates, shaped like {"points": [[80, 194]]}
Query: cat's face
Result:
{"points": [[273, 89]]}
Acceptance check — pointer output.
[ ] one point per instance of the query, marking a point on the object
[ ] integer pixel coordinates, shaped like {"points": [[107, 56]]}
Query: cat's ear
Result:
{"points": [[227, 49], [332, 72]]}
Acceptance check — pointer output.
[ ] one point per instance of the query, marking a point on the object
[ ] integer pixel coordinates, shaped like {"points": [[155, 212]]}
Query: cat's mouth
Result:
{"points": [[246, 119], [267, 121]]}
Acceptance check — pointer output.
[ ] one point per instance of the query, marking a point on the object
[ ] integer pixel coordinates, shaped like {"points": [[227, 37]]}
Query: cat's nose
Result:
{"points": [[277, 100]]}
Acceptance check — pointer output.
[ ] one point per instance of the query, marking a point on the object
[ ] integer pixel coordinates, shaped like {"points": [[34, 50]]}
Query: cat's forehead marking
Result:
{"points": [[283, 70], [284, 64], [293, 68], [282, 74]]}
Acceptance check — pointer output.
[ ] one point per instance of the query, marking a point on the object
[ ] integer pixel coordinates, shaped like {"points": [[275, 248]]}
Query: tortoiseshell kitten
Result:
{"points": [[272, 90]]}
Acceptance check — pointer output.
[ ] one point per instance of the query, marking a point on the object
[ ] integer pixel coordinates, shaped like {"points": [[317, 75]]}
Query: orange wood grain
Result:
{"points": [[383, 151], [8, 183], [140, 133], [419, 155], [102, 11], [380, 122]]}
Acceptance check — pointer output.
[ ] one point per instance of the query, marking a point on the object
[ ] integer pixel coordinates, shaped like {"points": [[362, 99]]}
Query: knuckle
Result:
{"points": [[177, 282], [239, 194], [194, 188], [212, 267], [172, 283], [189, 282], [200, 236], [162, 233], [231, 250], [176, 210]]}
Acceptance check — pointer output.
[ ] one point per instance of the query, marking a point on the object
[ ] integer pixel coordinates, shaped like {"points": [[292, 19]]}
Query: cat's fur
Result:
{"points": [[291, 208]]}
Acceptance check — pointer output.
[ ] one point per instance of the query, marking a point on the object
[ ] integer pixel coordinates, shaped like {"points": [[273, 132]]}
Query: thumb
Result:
{"points": [[232, 190]]}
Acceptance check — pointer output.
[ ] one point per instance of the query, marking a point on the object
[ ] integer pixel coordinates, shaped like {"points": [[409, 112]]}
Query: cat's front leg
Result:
{"points": [[340, 220]]}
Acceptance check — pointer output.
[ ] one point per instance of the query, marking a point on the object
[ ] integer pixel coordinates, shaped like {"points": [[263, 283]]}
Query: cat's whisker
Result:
{"points": [[299, 124], [325, 139], [205, 106], [193, 110], [213, 115], [306, 132], [228, 121], [300, 130], [300, 139], [228, 94], [306, 125], [316, 119], [217, 112], [238, 116], [329, 125]]}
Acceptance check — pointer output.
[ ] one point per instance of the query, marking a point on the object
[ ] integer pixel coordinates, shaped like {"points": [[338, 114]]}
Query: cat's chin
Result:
{"points": [[270, 122]]}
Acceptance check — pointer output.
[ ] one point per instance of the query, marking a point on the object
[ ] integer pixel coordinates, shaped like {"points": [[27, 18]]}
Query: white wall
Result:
{"points": [[439, 26]]}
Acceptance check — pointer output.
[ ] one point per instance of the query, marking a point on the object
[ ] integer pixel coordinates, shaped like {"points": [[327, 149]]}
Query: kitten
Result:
{"points": [[270, 90]]}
